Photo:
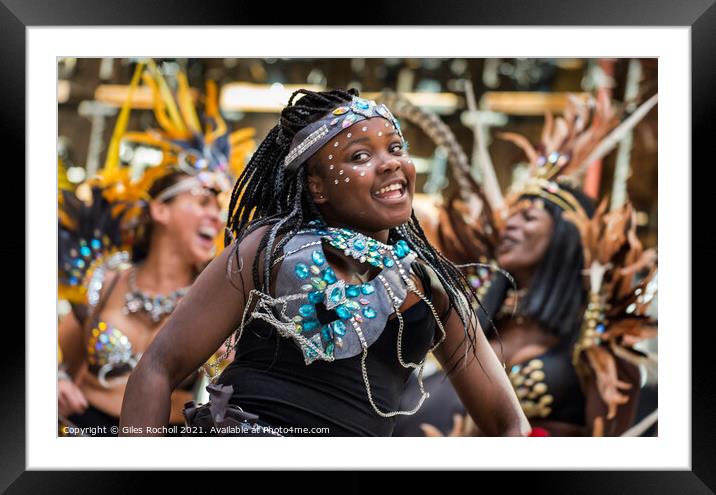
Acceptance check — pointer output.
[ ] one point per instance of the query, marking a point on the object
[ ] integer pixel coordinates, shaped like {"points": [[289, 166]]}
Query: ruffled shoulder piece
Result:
{"points": [[333, 319]]}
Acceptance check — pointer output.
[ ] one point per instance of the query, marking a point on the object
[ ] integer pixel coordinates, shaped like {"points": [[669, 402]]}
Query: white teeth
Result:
{"points": [[392, 187], [208, 231]]}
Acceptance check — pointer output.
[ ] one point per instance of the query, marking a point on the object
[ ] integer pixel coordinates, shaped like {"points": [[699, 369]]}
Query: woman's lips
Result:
{"points": [[506, 244], [393, 193]]}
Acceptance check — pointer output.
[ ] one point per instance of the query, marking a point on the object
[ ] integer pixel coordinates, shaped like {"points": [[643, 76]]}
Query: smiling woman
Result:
{"points": [[336, 293]]}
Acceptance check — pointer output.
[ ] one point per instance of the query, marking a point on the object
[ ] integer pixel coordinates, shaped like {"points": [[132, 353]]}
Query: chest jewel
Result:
{"points": [[337, 316]]}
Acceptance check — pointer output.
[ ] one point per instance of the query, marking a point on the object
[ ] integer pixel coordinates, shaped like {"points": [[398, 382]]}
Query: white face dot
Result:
{"points": [[335, 145], [349, 135], [380, 133], [364, 129], [387, 124], [362, 174], [330, 167], [348, 179], [330, 157], [355, 167], [335, 181], [369, 164], [340, 173]]}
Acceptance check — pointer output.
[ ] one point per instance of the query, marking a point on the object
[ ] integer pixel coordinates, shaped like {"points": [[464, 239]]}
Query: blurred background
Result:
{"points": [[509, 95]]}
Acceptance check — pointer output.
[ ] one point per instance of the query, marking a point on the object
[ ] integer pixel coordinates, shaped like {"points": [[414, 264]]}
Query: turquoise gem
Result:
{"points": [[515, 369], [307, 310], [318, 258], [326, 333], [353, 291], [359, 245], [310, 352], [329, 349], [85, 251], [343, 312], [388, 262], [80, 263], [315, 297], [329, 275], [301, 270], [339, 328], [362, 104], [401, 248], [369, 312], [367, 289], [309, 325], [336, 295], [96, 244]]}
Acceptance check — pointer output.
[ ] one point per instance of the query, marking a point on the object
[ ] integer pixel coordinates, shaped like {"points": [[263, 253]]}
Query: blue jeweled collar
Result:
{"points": [[333, 319]]}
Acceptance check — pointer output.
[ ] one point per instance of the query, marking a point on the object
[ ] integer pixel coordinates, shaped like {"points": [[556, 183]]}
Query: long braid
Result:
{"points": [[456, 285]]}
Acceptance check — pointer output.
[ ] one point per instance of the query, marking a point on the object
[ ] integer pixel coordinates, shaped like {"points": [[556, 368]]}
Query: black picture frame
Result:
{"points": [[699, 15]]}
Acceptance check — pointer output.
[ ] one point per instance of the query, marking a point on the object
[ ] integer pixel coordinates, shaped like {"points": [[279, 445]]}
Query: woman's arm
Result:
{"points": [[482, 384], [201, 322], [71, 340]]}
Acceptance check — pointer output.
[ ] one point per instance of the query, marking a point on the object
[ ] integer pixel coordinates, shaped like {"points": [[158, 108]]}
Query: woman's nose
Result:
{"points": [[388, 164]]}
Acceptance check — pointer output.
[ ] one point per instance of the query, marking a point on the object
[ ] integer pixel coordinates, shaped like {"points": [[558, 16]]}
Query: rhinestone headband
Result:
{"points": [[311, 138]]}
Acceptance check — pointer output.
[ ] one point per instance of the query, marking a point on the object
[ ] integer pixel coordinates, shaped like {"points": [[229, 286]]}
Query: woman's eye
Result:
{"points": [[396, 147], [360, 156]]}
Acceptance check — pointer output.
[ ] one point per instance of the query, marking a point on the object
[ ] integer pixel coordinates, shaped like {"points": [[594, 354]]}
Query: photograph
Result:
{"points": [[357, 247]]}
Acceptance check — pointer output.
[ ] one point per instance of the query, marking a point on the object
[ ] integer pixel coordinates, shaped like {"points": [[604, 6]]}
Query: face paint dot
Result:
{"points": [[387, 124], [335, 145], [355, 167], [362, 174], [340, 173], [348, 179], [349, 135], [380, 133], [335, 181], [369, 164], [330, 157], [364, 129], [330, 167]]}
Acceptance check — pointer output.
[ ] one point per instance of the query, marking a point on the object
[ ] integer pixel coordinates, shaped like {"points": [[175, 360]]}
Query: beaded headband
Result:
{"points": [[311, 138], [204, 181]]}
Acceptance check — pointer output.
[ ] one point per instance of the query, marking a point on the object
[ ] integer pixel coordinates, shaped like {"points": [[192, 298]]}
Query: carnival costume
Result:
{"points": [[323, 351], [100, 221]]}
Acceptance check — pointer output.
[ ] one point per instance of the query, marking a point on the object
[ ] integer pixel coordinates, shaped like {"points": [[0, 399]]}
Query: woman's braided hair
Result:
{"points": [[265, 195]]}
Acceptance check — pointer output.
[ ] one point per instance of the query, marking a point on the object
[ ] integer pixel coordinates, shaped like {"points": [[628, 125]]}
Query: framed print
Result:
{"points": [[38, 41]]}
